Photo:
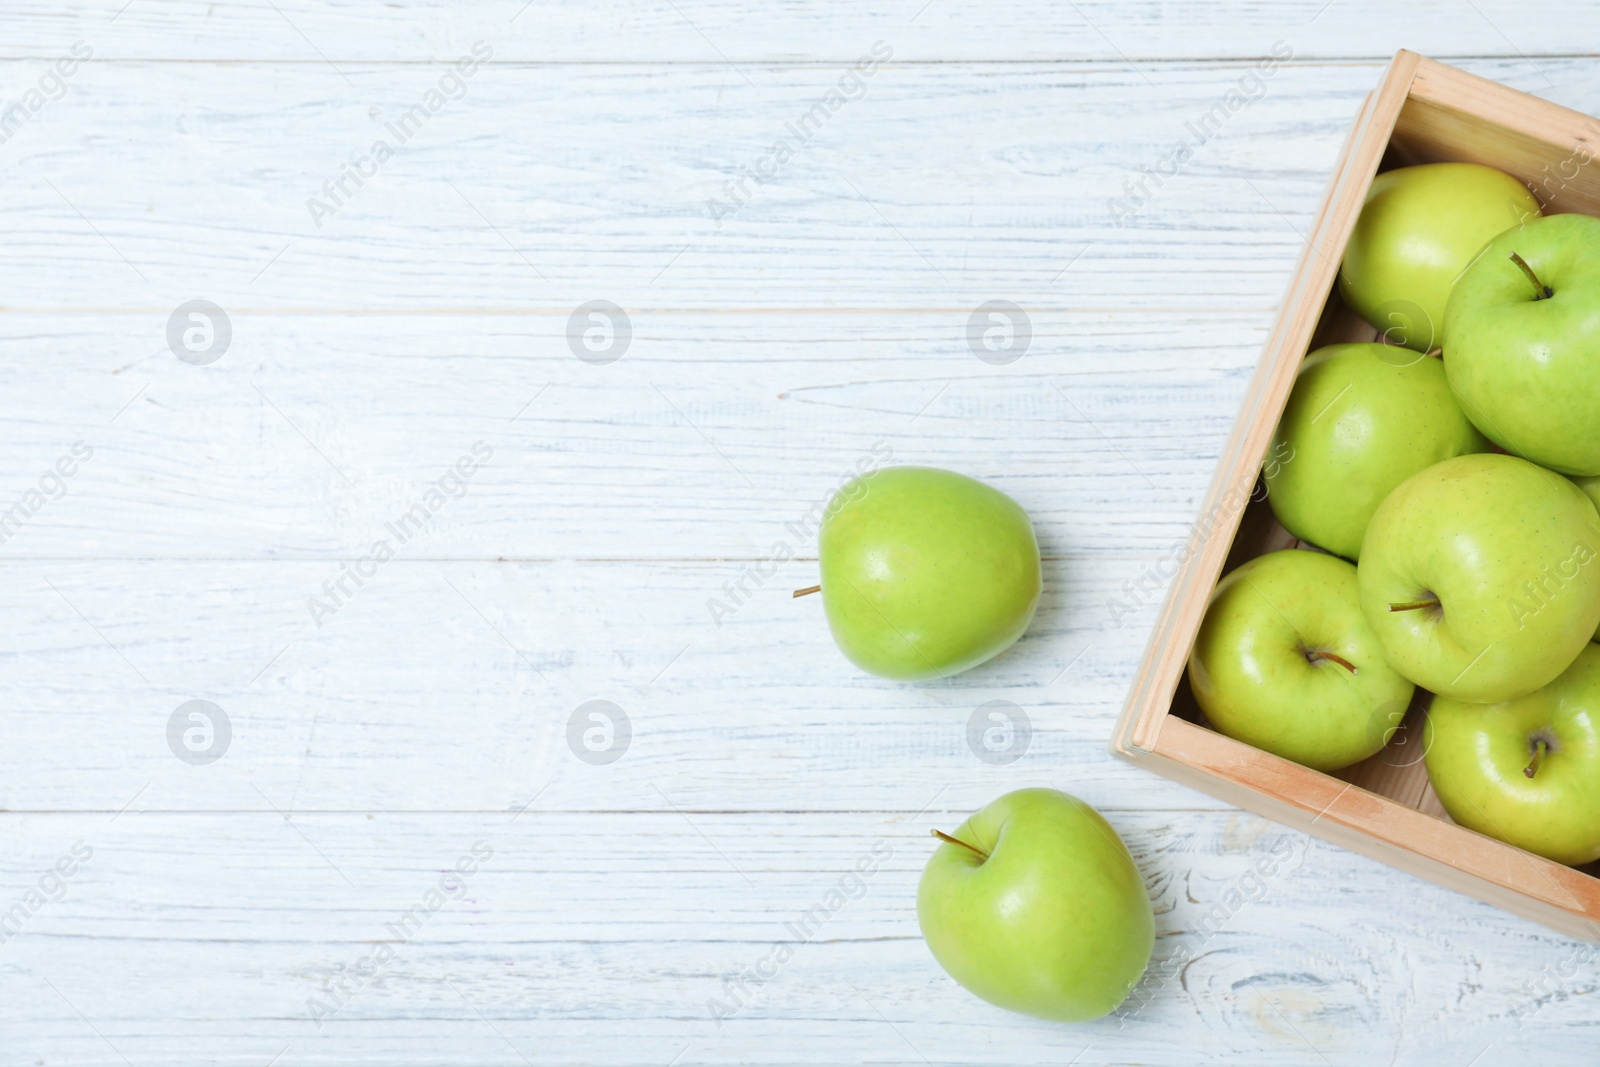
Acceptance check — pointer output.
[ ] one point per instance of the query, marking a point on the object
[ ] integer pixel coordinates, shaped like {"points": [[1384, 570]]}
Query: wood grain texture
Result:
{"points": [[1138, 35], [769, 354]]}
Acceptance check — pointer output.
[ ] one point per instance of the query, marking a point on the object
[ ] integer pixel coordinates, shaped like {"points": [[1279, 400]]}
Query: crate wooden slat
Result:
{"points": [[1422, 111]]}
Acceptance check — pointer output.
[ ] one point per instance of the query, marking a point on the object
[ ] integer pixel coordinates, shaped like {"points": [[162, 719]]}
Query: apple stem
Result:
{"points": [[808, 590], [942, 836], [1540, 289], [1340, 660], [1414, 605], [1533, 768]]}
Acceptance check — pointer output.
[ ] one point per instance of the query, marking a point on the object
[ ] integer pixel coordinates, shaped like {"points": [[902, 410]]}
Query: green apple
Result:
{"points": [[1419, 228], [1479, 576], [926, 572], [1285, 661], [1522, 345], [1035, 905], [1526, 771], [1362, 419]]}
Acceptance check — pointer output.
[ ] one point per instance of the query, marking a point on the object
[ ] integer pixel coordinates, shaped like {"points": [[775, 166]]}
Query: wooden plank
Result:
{"points": [[534, 225], [642, 195], [1142, 35], [708, 441], [449, 686]]}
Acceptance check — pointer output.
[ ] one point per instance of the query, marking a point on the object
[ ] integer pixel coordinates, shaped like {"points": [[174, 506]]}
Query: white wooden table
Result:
{"points": [[252, 909]]}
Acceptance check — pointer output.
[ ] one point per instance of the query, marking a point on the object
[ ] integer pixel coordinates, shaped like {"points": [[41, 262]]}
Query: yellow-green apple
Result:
{"points": [[1419, 227], [1362, 418], [1285, 661], [1479, 576], [1522, 346], [926, 572], [1034, 904], [1526, 771]]}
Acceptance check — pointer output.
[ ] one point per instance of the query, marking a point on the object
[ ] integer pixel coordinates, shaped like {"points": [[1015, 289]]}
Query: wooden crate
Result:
{"points": [[1422, 112]]}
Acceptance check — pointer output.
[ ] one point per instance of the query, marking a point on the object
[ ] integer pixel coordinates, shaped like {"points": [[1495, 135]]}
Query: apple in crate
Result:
{"points": [[1362, 418], [1285, 661], [1420, 226], [1480, 577], [1034, 904], [925, 572], [1526, 771], [1522, 346]]}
